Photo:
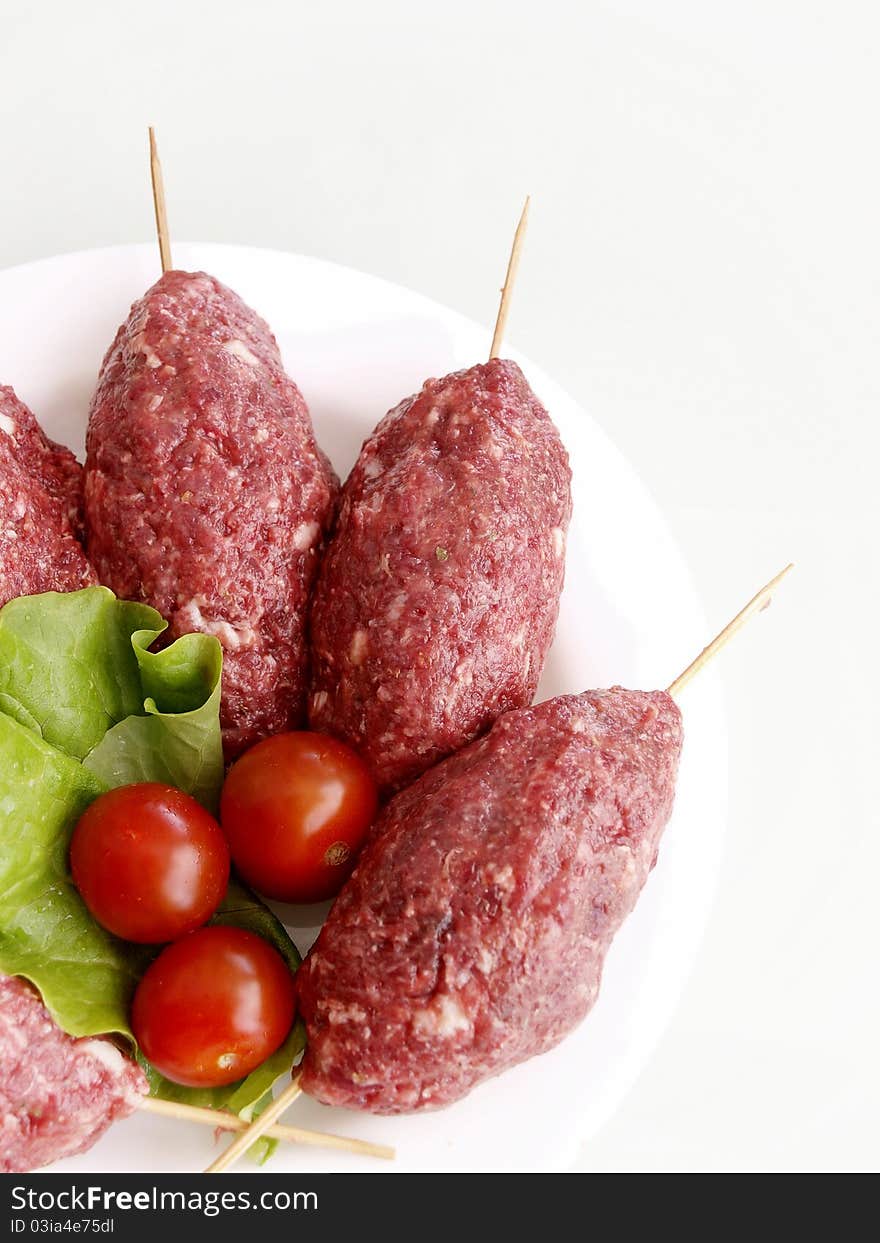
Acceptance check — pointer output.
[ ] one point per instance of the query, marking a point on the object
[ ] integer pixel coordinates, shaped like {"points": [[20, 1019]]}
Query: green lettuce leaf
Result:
{"points": [[178, 740], [76, 669], [67, 662], [86, 706], [86, 976]]}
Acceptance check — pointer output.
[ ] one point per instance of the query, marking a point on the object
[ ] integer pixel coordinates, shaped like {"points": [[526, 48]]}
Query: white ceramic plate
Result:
{"points": [[356, 345]]}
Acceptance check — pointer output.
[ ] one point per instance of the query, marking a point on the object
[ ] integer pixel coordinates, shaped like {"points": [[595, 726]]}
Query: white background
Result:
{"points": [[702, 274]]}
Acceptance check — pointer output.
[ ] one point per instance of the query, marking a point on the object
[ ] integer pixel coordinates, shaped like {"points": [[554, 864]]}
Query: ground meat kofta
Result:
{"points": [[438, 596], [58, 1095], [473, 931], [206, 494], [40, 508]]}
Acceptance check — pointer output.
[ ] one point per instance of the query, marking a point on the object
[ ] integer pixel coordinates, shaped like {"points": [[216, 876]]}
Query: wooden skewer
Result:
{"points": [[755, 605], [291, 1134], [258, 1127], [159, 203], [506, 293]]}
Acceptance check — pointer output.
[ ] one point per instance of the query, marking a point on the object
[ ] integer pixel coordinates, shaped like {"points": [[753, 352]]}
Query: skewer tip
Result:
{"points": [[258, 1127], [159, 201], [757, 604], [509, 279]]}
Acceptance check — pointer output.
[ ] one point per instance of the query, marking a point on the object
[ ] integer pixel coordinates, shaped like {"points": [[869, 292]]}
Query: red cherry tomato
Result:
{"points": [[149, 862], [295, 810], [213, 1006]]}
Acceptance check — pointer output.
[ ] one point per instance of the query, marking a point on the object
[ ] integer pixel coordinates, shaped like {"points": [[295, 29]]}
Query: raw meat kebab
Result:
{"points": [[206, 495]]}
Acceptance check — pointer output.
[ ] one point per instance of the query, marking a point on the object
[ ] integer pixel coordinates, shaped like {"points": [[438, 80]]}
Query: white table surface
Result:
{"points": [[702, 273]]}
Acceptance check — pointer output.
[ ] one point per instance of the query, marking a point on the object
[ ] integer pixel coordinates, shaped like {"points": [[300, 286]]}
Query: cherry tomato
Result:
{"points": [[149, 862], [295, 810], [213, 1006]]}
